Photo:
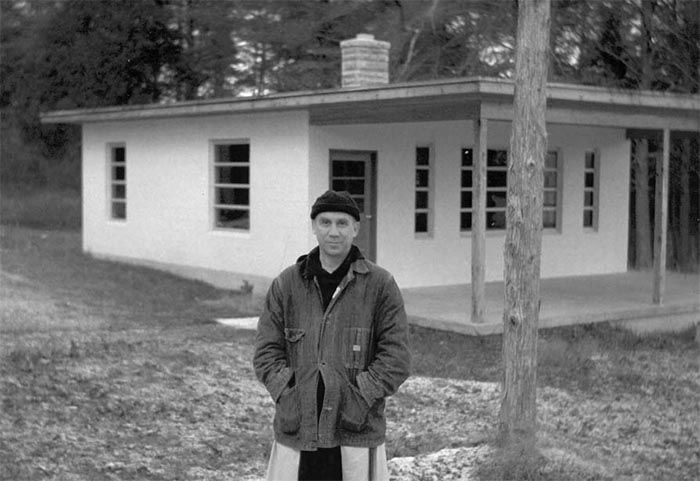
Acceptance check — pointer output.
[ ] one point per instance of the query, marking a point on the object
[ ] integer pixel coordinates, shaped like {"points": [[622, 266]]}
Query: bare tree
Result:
{"points": [[523, 245]]}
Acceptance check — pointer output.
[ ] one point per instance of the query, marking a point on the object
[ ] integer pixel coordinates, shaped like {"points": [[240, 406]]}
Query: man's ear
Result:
{"points": [[357, 227]]}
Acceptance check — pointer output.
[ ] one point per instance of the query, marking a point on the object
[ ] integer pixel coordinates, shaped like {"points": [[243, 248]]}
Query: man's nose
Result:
{"points": [[334, 230]]}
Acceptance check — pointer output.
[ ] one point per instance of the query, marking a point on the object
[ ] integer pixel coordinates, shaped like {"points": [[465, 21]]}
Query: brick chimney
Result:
{"points": [[365, 61]]}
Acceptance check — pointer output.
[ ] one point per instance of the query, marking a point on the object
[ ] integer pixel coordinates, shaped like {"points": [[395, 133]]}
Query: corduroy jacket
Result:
{"points": [[359, 345]]}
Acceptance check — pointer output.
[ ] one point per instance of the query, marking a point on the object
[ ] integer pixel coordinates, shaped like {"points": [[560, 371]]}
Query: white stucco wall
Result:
{"points": [[169, 214], [169, 191], [445, 256]]}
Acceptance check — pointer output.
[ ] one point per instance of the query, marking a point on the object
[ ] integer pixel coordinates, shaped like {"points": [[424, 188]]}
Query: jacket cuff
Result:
{"points": [[367, 388], [279, 382]]}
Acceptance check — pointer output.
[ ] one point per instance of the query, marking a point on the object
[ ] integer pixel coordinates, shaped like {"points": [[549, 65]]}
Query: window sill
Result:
{"points": [[502, 233], [242, 234]]}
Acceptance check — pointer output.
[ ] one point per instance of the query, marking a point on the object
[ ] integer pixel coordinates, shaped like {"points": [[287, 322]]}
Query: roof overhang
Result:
{"points": [[453, 99]]}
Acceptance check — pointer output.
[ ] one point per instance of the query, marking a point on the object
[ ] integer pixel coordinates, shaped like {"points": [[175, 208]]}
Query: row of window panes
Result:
{"points": [[422, 205], [117, 169], [589, 190], [232, 185]]}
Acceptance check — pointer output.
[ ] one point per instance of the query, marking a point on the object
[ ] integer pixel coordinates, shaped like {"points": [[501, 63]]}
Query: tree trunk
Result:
{"points": [[642, 234], [523, 244]]}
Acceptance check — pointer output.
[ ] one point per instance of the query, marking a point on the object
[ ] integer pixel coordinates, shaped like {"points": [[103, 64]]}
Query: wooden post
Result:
{"points": [[661, 219], [523, 243], [479, 220]]}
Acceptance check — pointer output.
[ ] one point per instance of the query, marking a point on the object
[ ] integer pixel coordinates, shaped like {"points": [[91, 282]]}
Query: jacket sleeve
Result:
{"points": [[270, 360], [391, 364]]}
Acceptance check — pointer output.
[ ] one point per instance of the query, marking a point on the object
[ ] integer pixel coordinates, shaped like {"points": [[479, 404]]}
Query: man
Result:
{"points": [[332, 344]]}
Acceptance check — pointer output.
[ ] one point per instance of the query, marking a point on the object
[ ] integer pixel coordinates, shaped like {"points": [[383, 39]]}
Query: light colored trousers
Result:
{"points": [[359, 464]]}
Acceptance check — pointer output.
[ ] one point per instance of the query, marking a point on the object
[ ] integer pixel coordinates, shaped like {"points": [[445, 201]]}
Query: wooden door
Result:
{"points": [[355, 172]]}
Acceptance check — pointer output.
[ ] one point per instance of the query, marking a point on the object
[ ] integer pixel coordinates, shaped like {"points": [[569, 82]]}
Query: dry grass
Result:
{"points": [[110, 371]]}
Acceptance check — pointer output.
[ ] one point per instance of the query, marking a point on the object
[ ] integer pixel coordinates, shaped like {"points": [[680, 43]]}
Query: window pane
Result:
{"points": [[232, 196], [465, 221], [421, 222], [422, 155], [233, 218], [550, 160], [348, 168], [495, 198], [233, 175], [549, 218], [421, 178], [588, 218], [466, 202], [233, 153], [496, 220], [550, 179], [118, 173], [467, 157], [466, 178], [118, 210], [497, 158], [590, 179], [590, 160], [588, 199], [119, 155], [353, 186], [497, 178], [118, 191], [421, 199], [550, 198]]}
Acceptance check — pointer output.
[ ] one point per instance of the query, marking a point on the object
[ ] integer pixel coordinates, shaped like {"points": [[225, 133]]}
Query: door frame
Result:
{"points": [[371, 217]]}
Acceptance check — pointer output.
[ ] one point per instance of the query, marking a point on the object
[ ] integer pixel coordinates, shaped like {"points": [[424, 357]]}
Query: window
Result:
{"points": [[552, 181], [423, 191], [117, 182], [232, 185], [465, 203], [497, 189], [590, 190]]}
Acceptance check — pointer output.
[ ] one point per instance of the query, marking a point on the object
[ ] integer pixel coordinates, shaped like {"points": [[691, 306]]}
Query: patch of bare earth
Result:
{"points": [[110, 372]]}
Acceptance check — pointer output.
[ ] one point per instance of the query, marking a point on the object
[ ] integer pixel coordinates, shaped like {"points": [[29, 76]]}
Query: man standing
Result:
{"points": [[332, 344]]}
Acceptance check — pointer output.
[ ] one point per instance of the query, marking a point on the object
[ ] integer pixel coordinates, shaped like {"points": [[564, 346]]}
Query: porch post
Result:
{"points": [[661, 219], [479, 219]]}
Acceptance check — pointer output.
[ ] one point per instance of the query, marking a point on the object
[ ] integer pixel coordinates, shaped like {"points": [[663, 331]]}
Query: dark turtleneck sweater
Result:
{"points": [[329, 281]]}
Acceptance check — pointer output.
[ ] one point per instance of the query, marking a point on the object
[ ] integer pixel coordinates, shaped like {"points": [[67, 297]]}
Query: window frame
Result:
{"points": [[559, 189], [558, 209], [113, 182], [595, 190], [429, 211], [215, 206]]}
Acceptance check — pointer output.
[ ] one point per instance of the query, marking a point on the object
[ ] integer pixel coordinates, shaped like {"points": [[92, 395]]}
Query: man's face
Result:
{"points": [[335, 232]]}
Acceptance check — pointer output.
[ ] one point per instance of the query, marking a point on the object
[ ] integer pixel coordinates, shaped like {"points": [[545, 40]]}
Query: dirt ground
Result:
{"points": [[118, 372]]}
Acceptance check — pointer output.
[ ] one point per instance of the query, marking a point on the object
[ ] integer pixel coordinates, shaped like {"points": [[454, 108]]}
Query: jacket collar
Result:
{"points": [[359, 266]]}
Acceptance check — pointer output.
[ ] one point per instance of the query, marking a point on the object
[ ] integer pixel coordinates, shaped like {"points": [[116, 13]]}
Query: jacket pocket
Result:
{"points": [[356, 345], [293, 338], [287, 411], [355, 410]]}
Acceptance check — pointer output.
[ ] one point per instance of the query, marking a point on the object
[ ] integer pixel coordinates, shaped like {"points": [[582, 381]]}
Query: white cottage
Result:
{"points": [[221, 189]]}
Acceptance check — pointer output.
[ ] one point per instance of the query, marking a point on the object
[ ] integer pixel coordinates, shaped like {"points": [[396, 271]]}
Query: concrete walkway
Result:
{"points": [[624, 298]]}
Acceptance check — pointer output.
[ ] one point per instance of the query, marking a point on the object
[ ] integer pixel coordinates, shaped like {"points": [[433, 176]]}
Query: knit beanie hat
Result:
{"points": [[332, 201]]}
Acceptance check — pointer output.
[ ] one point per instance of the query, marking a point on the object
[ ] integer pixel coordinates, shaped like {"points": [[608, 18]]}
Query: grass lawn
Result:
{"points": [[110, 371]]}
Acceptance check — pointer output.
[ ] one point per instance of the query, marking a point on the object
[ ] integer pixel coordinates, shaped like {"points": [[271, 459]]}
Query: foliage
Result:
{"points": [[41, 208]]}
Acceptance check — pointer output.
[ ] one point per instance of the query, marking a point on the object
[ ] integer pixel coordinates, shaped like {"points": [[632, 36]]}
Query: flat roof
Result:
{"points": [[445, 99]]}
